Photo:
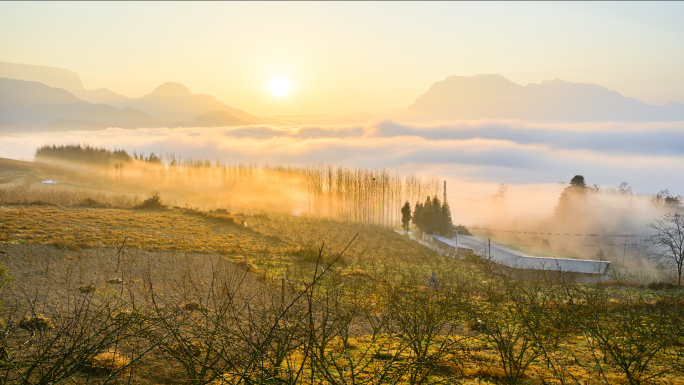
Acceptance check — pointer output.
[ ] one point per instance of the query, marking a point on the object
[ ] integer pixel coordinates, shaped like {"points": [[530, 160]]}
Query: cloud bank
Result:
{"points": [[650, 156]]}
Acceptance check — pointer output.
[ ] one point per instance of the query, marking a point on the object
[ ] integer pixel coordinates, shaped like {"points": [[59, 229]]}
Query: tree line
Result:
{"points": [[83, 154], [358, 194]]}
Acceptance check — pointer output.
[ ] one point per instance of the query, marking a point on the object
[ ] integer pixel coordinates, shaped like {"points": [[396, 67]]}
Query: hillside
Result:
{"points": [[61, 78], [495, 97], [170, 101], [175, 101], [154, 293], [33, 103]]}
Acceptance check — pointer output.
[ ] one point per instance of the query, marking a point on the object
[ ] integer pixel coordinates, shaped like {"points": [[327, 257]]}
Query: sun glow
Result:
{"points": [[280, 87]]}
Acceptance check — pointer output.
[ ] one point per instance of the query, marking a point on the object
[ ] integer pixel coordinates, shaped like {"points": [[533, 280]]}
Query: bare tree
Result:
{"points": [[669, 243], [499, 197]]}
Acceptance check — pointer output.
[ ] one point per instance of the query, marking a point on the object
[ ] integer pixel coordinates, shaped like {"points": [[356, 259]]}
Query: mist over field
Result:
{"points": [[645, 155], [474, 157]]}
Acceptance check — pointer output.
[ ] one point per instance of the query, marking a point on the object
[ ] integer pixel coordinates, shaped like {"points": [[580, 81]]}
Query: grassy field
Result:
{"points": [[217, 297]]}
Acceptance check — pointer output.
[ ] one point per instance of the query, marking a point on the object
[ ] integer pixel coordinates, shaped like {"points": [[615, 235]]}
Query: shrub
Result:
{"points": [[661, 286], [154, 202], [89, 202], [39, 322]]}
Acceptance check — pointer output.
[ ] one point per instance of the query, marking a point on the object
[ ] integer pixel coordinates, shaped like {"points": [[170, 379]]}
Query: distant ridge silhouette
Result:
{"points": [[175, 101], [35, 104], [495, 97], [216, 119], [35, 98], [61, 78], [170, 101]]}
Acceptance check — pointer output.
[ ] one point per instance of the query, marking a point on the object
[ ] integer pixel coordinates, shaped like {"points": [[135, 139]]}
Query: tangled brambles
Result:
{"points": [[87, 289], [39, 322]]}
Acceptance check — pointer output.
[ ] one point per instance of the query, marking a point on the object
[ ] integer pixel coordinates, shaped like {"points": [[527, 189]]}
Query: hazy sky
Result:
{"points": [[349, 57]]}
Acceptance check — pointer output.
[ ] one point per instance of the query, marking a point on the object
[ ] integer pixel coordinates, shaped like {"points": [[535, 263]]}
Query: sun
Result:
{"points": [[280, 87]]}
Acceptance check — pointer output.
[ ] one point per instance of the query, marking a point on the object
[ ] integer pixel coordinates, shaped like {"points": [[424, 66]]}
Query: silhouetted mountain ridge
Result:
{"points": [[35, 104], [175, 101], [495, 97], [169, 89], [61, 78], [169, 101]]}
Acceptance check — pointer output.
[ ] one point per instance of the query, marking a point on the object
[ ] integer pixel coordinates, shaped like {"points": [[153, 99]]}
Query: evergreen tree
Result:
{"points": [[85, 153], [433, 216], [406, 216], [573, 194]]}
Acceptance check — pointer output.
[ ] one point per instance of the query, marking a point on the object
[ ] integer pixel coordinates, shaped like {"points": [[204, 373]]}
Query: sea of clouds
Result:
{"points": [[474, 157], [648, 156]]}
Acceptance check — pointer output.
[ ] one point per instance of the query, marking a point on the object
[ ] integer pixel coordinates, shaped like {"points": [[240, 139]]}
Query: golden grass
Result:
{"points": [[87, 289], [275, 246], [107, 362], [39, 322]]}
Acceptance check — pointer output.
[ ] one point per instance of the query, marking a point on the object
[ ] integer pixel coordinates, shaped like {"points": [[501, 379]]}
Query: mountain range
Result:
{"points": [[62, 78], [37, 98], [495, 97]]}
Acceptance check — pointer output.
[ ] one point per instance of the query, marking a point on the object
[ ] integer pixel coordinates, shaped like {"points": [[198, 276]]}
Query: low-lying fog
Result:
{"points": [[649, 156], [474, 157]]}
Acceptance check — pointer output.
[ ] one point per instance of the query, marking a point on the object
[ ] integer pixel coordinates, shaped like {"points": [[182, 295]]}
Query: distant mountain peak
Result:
{"points": [[36, 104], [495, 97], [175, 101], [480, 78], [554, 81], [50, 76], [171, 89], [39, 95]]}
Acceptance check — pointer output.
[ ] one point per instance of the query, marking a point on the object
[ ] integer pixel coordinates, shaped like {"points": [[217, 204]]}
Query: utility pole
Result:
{"points": [[456, 241], [456, 227]]}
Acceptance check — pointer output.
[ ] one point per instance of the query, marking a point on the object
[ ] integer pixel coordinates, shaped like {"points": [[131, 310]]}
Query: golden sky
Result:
{"points": [[349, 57]]}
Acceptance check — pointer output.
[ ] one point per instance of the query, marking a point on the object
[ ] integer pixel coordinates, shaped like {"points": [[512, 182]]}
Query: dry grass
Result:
{"points": [[87, 289], [174, 260], [106, 362], [39, 322]]}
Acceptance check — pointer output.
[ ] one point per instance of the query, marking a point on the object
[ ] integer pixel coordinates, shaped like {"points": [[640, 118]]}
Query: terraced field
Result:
{"points": [[99, 288]]}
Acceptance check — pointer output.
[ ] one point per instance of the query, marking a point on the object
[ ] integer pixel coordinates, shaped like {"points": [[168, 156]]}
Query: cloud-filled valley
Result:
{"points": [[646, 155]]}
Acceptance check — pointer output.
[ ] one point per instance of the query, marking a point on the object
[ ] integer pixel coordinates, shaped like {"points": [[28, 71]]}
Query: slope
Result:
{"points": [[175, 101], [33, 103], [495, 97]]}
